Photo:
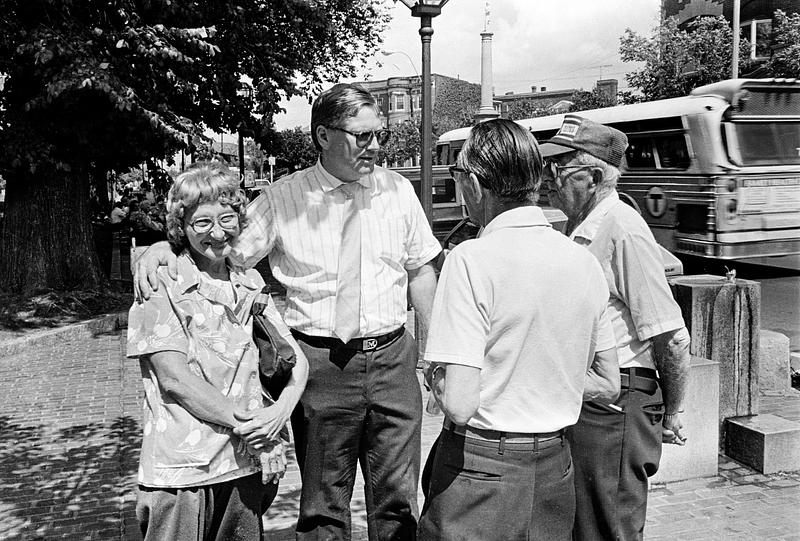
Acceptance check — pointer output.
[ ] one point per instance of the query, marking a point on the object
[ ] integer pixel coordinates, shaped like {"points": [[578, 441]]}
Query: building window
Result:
{"points": [[416, 101], [399, 101], [759, 34]]}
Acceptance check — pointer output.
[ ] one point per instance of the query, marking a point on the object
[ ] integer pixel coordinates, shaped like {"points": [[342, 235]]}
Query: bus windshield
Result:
{"points": [[768, 142]]}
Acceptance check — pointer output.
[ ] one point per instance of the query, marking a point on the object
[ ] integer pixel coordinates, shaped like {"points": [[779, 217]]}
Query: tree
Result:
{"points": [[455, 105], [404, 144], [294, 149], [95, 86], [527, 108], [677, 61], [785, 61], [583, 100]]}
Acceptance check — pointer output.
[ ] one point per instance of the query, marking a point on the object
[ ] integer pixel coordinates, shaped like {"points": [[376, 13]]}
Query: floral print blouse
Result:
{"points": [[193, 316]]}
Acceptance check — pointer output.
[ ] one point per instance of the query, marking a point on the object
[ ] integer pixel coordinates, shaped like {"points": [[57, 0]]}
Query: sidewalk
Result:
{"points": [[69, 445]]}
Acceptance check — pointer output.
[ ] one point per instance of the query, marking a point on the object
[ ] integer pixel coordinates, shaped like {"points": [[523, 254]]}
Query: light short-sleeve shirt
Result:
{"points": [[641, 303], [525, 305], [193, 316], [298, 222]]}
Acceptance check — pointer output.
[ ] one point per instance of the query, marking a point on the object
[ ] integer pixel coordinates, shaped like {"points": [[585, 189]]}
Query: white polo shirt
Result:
{"points": [[641, 303], [525, 305]]}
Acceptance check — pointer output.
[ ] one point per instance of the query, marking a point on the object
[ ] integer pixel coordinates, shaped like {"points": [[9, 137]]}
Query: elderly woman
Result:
{"points": [[209, 430]]}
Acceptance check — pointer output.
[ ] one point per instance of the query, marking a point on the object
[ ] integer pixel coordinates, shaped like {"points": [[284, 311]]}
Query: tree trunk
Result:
{"points": [[47, 239]]}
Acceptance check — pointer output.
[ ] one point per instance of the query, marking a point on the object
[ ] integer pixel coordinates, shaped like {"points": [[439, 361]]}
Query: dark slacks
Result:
{"points": [[614, 453], [483, 490], [223, 511], [359, 407]]}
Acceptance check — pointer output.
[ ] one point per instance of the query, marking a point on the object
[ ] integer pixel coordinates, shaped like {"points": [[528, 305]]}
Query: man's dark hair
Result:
{"points": [[505, 157], [334, 105]]}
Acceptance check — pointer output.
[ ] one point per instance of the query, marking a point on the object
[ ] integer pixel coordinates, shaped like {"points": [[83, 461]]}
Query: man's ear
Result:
{"points": [[475, 187], [322, 137], [597, 177]]}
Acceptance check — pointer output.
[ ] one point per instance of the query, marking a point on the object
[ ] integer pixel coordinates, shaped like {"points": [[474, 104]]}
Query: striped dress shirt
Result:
{"points": [[298, 221]]}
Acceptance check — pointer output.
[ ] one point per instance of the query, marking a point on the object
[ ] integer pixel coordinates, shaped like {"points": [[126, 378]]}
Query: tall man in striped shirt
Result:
{"points": [[351, 244]]}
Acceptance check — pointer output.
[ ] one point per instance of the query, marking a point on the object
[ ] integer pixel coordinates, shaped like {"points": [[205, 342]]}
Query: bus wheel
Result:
{"points": [[630, 201]]}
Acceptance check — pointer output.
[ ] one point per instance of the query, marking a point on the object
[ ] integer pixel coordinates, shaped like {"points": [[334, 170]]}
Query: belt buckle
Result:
{"points": [[370, 344]]}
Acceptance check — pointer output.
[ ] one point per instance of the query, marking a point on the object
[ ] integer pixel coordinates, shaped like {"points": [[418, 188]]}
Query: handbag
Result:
{"points": [[276, 355]]}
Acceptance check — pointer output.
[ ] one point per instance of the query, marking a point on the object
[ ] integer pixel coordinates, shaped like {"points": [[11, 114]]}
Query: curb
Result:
{"points": [[85, 329]]}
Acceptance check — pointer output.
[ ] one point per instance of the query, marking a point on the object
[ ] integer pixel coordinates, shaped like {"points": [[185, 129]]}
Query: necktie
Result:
{"points": [[348, 286]]}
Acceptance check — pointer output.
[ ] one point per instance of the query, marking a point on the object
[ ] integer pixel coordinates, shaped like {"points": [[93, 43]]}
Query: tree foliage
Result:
{"points": [[456, 103], [785, 60], [404, 144], [105, 85], [677, 61], [294, 149]]}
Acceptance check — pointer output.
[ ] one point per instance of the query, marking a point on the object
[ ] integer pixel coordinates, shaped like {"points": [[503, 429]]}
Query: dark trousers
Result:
{"points": [[614, 453], [229, 511], [359, 407], [484, 490]]}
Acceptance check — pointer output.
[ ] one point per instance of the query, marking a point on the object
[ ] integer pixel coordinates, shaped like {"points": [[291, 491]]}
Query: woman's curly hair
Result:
{"points": [[203, 182]]}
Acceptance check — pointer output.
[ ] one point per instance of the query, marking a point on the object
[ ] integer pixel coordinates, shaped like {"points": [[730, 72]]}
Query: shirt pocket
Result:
{"points": [[391, 240]]}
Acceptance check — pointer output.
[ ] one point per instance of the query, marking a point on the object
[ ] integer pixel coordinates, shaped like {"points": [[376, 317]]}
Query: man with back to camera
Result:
{"points": [[518, 338], [617, 446], [348, 240]]}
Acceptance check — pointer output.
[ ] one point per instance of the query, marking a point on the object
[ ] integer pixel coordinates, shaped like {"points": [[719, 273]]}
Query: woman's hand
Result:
{"points": [[261, 426]]}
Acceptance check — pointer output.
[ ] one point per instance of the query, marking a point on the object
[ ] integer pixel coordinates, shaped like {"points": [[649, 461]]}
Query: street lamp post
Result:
{"points": [[426, 10], [245, 91]]}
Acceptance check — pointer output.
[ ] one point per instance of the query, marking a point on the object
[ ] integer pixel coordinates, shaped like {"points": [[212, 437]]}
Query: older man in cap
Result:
{"points": [[617, 446]]}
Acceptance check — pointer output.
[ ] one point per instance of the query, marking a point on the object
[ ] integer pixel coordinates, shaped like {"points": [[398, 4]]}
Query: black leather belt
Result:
{"points": [[641, 379], [497, 435], [368, 343]]}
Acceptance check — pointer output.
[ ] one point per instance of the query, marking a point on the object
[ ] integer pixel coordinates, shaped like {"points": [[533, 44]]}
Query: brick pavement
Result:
{"points": [[69, 443]]}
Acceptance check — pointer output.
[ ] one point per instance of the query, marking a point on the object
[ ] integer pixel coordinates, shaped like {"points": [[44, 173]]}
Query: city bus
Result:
{"points": [[715, 174]]}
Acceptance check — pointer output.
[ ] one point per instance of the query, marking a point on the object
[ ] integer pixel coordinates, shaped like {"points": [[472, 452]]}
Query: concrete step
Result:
{"points": [[765, 442]]}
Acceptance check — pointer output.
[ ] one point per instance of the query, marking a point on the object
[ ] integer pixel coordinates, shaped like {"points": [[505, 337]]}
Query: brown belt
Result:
{"points": [[640, 379], [497, 435], [368, 343]]}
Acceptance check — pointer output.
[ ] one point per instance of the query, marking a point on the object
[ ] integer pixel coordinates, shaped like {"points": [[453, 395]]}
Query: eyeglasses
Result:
{"points": [[457, 172], [228, 222], [364, 138], [556, 170]]}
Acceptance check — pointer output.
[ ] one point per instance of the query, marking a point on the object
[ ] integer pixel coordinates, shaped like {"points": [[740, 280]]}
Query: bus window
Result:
{"points": [[672, 151], [640, 154], [768, 143], [442, 153]]}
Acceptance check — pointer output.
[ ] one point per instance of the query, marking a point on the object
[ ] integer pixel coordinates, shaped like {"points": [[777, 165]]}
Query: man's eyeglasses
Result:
{"points": [[364, 138], [557, 171], [227, 222], [457, 172]]}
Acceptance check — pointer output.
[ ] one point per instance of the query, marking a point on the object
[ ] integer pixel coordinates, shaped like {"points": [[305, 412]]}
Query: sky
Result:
{"points": [[558, 44]]}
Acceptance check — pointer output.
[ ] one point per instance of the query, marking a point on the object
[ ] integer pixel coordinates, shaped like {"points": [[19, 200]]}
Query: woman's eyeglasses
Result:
{"points": [[364, 138], [227, 222]]}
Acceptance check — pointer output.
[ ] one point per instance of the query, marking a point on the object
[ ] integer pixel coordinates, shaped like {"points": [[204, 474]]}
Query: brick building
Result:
{"points": [[400, 98]]}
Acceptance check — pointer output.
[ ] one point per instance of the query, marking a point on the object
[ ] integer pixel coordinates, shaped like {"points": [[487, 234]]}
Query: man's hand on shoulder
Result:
{"points": [[145, 279]]}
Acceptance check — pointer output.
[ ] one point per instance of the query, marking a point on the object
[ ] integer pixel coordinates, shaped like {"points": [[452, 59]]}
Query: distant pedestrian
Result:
{"points": [[617, 446], [144, 228], [197, 479], [118, 213], [518, 339]]}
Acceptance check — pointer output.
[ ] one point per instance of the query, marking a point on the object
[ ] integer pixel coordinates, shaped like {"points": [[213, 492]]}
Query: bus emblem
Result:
{"points": [[656, 201]]}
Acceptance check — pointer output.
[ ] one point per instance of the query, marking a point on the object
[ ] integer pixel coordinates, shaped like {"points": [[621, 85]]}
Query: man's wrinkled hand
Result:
{"points": [[145, 279], [672, 430]]}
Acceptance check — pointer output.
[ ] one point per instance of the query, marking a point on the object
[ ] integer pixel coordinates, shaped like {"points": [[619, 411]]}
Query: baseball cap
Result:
{"points": [[578, 133]]}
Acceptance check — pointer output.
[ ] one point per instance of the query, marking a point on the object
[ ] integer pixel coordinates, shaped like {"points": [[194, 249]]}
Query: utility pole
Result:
{"points": [[735, 59]]}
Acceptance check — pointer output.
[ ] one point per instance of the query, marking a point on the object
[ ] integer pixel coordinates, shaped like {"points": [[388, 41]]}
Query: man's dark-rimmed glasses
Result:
{"points": [[364, 138]]}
